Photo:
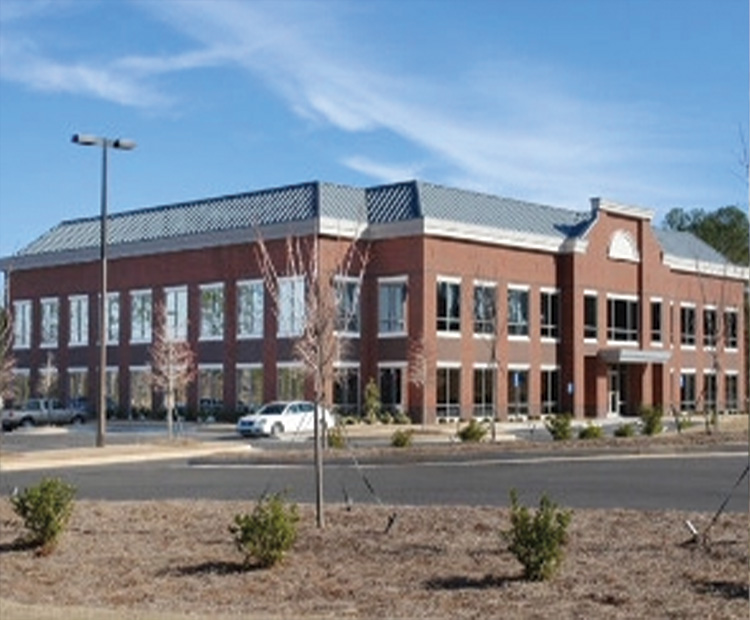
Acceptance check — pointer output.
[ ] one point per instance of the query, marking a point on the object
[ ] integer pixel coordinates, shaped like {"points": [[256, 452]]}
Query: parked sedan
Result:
{"points": [[282, 417]]}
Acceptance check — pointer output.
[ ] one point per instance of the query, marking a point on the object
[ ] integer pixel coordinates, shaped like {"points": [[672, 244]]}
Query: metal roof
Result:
{"points": [[687, 245]]}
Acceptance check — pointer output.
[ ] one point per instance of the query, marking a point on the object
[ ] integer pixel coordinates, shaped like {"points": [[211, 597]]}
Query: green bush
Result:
{"points": [[625, 430], [268, 532], [591, 431], [45, 509], [473, 432], [401, 418], [537, 540], [559, 426], [336, 438], [651, 418], [402, 438], [373, 403]]}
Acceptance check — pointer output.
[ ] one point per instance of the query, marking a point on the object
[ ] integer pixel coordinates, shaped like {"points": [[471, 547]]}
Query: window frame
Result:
{"points": [[291, 307], [176, 310], [656, 312], [731, 329], [394, 323], [710, 327], [549, 389], [399, 370], [141, 316], [448, 391], [484, 388], [348, 305], [628, 334], [549, 314], [448, 306], [590, 330], [250, 308], [212, 311], [688, 328], [485, 309], [519, 327], [49, 333], [22, 317]]}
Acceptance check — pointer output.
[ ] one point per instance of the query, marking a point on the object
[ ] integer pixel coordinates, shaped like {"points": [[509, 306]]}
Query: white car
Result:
{"points": [[297, 416]]}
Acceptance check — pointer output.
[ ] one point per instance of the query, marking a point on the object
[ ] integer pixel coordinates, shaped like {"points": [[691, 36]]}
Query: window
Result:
{"points": [[518, 311], [113, 318], [140, 391], [22, 324], [485, 309], [550, 317], [177, 313], [77, 383], [250, 309], [622, 319], [347, 305], [21, 388], [518, 391], [655, 321], [448, 306], [49, 385], [709, 390], [212, 311], [730, 329], [249, 387], [590, 314], [390, 381], [448, 393], [79, 320], [687, 391], [210, 388], [731, 400], [392, 306], [346, 390], [50, 321], [687, 325], [484, 392], [550, 390], [140, 316], [290, 383], [710, 328], [112, 380], [291, 306]]}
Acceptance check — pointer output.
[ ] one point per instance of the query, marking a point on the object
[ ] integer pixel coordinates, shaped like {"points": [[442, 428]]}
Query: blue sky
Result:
{"points": [[555, 101]]}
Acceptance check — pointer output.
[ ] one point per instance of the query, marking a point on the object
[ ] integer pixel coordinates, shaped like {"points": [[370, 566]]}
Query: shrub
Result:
{"points": [[651, 418], [559, 426], [625, 430], [401, 418], [592, 431], [268, 532], [537, 541], [402, 438], [336, 438], [473, 432], [45, 509], [373, 404]]}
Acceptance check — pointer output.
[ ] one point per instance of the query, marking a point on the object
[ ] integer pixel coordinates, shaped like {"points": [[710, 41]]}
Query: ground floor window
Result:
{"points": [[687, 391], [518, 392], [290, 383], [448, 393], [140, 391], [210, 389], [391, 388], [550, 390], [346, 390], [249, 388], [484, 393], [49, 385], [113, 387], [709, 391], [731, 400], [21, 388], [78, 385]]}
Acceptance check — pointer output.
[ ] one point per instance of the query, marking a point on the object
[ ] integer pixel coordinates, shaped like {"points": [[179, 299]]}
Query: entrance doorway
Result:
{"points": [[616, 382]]}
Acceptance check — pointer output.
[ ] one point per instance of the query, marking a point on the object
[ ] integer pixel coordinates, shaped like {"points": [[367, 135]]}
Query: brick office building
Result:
{"points": [[517, 308]]}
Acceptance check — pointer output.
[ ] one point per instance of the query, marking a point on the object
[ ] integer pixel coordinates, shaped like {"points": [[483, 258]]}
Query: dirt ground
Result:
{"points": [[158, 559]]}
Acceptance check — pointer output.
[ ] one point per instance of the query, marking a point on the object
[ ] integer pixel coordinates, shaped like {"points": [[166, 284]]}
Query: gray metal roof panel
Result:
{"points": [[687, 245]]}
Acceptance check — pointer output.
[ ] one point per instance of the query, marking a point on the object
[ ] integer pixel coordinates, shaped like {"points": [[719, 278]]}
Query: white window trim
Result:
{"points": [[42, 302], [292, 332], [351, 280], [252, 282], [404, 280], [84, 341], [137, 293], [519, 366], [213, 286], [527, 289], [177, 332], [26, 307], [399, 364], [623, 296]]}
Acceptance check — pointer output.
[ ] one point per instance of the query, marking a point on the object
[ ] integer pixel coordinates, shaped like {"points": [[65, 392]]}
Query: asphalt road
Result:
{"points": [[690, 482]]}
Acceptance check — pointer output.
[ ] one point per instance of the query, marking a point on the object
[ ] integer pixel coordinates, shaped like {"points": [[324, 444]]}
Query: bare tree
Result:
{"points": [[48, 377], [317, 344], [7, 361], [173, 365]]}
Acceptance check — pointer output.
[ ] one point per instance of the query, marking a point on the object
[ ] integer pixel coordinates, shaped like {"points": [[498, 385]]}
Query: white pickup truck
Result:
{"points": [[39, 411]]}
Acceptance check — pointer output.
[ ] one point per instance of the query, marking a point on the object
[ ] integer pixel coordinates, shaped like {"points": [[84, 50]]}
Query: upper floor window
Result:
{"points": [[250, 309], [50, 321], [22, 324], [550, 315], [212, 311], [518, 311], [79, 319], [448, 306], [687, 325], [177, 312], [656, 320], [347, 305], [392, 306], [590, 316], [485, 308], [291, 306], [710, 327], [622, 319], [140, 316], [730, 329], [113, 318]]}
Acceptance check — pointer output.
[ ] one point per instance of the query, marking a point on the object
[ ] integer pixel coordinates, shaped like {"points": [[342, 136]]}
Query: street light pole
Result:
{"points": [[105, 143]]}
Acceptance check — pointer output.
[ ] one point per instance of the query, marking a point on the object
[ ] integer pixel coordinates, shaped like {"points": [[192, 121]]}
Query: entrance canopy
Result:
{"points": [[634, 356]]}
